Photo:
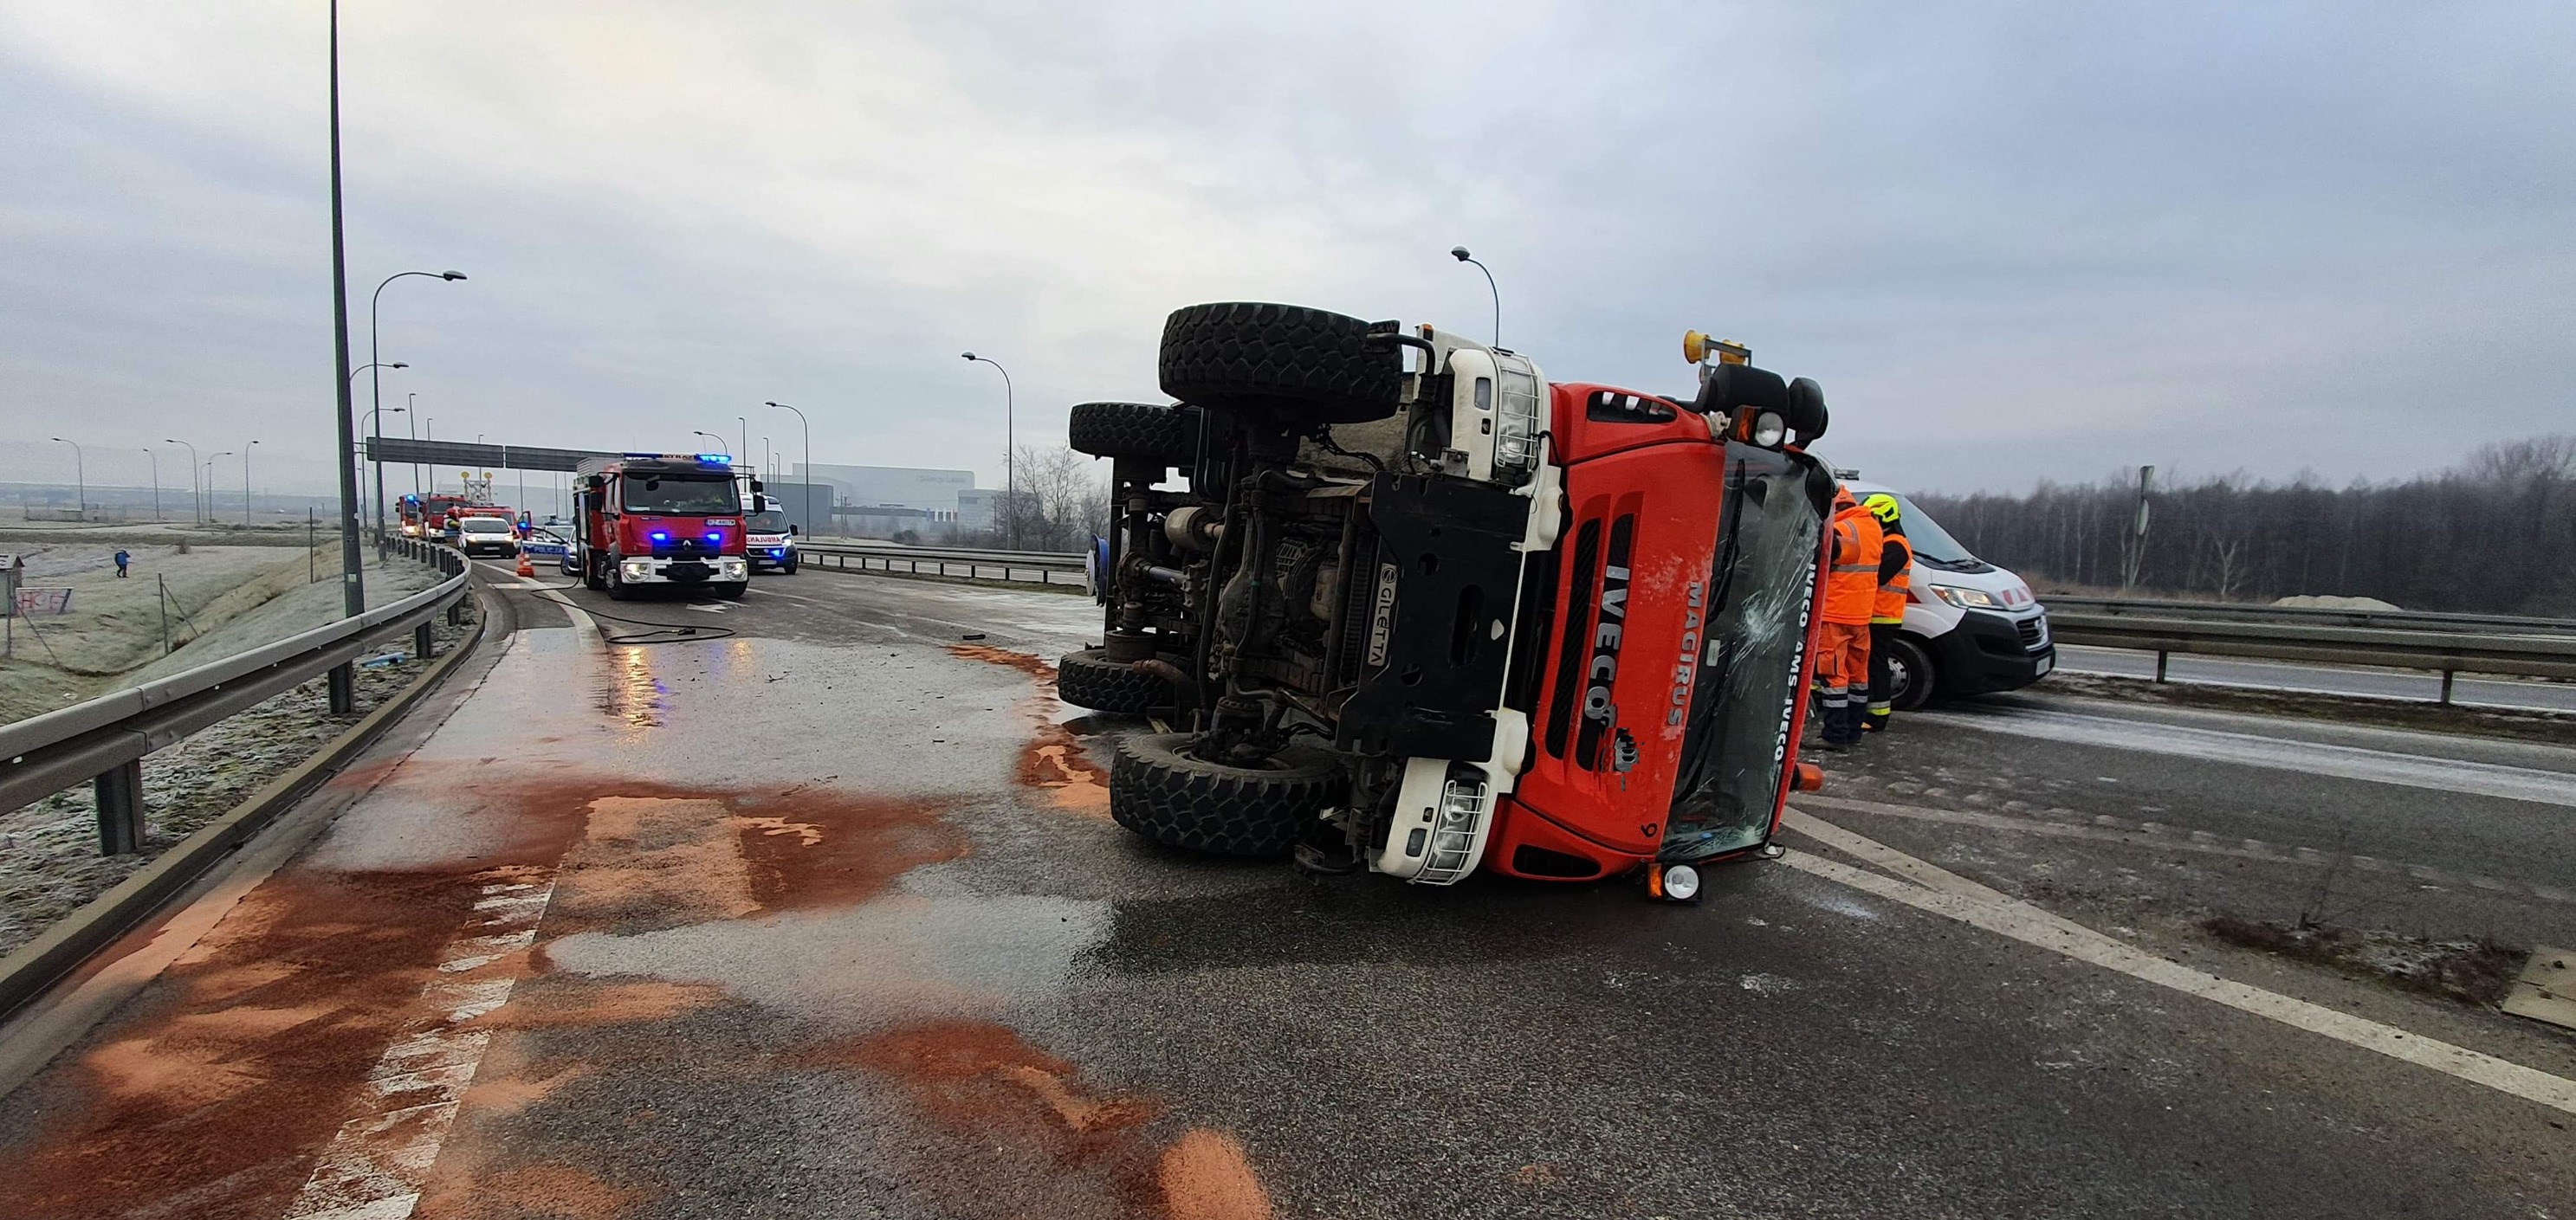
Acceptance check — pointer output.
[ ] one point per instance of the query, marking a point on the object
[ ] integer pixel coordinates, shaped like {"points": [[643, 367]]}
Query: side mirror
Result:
{"points": [[793, 530], [758, 486]]}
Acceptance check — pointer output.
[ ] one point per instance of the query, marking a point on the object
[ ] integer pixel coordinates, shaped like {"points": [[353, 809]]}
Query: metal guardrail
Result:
{"points": [[105, 740], [2427, 642], [1028, 567], [2404, 620]]}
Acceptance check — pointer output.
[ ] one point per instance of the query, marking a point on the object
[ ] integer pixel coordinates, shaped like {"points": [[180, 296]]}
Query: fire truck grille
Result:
{"points": [[1578, 635]]}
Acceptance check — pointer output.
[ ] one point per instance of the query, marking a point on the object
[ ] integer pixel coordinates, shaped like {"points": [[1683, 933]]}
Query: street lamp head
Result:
{"points": [[61, 439], [966, 355], [1459, 253], [398, 365], [451, 275]]}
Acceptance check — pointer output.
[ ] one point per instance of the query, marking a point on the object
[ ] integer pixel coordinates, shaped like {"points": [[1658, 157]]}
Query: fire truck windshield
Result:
{"points": [[1743, 701], [680, 495]]}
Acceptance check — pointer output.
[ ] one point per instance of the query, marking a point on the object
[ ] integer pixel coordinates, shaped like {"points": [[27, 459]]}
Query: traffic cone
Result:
{"points": [[526, 568]]}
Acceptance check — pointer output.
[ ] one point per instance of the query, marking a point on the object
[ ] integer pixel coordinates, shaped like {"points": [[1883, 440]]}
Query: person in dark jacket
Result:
{"points": [[122, 559]]}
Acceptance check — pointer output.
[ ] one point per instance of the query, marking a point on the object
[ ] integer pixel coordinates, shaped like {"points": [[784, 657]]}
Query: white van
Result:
{"points": [[1971, 628]]}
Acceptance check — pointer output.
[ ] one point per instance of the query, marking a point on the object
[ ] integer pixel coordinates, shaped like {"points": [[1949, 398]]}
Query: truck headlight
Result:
{"points": [[1516, 418], [730, 565], [1966, 599], [1769, 429], [639, 567]]}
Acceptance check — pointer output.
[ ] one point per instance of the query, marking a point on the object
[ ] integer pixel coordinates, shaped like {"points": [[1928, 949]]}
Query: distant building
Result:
{"points": [[893, 486]]}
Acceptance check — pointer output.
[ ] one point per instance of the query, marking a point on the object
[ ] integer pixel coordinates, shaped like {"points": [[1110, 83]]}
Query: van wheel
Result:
{"points": [[1158, 791], [1300, 366], [1909, 674]]}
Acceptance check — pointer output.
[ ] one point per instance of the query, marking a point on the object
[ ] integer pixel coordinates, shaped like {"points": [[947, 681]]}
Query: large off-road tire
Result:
{"points": [[1179, 801], [1090, 679], [1134, 431], [1299, 365]]}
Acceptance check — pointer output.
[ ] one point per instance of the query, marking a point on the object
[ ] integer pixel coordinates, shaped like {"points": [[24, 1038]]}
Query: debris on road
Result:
{"points": [[2470, 971], [2547, 989]]}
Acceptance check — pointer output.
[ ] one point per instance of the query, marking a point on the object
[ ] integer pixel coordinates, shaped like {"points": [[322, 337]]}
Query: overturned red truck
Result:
{"points": [[1414, 608]]}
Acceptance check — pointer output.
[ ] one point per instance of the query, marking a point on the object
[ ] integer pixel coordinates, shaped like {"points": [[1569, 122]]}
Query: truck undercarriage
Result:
{"points": [[1397, 603]]}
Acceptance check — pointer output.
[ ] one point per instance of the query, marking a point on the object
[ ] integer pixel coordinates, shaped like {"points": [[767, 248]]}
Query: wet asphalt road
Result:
{"points": [[835, 924]]}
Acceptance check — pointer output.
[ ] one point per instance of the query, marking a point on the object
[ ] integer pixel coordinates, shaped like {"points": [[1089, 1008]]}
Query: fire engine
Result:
{"points": [[1413, 607], [669, 520], [425, 516]]}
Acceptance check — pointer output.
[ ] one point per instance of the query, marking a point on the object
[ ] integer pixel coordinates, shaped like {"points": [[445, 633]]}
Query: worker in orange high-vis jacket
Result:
{"points": [[1851, 597], [1895, 578]]}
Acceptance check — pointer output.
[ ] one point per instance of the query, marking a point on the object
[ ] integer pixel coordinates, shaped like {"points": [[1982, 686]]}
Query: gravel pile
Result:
{"points": [[49, 861]]}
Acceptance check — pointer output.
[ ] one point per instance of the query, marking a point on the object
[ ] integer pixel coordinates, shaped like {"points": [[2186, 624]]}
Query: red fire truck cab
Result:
{"points": [[659, 520], [1433, 618], [425, 516]]}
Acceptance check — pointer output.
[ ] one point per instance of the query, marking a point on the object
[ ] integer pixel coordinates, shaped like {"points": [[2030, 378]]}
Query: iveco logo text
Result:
{"points": [[1605, 642]]}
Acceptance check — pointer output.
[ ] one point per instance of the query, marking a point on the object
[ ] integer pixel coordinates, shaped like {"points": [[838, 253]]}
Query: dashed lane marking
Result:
{"points": [[376, 1164], [2108, 829], [1927, 887]]}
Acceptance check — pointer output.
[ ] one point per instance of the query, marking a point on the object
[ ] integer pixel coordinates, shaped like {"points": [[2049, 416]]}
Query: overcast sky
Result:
{"points": [[2019, 242]]}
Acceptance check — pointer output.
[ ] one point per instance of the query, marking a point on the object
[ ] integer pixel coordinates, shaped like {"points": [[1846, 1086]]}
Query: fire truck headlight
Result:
{"points": [[1768, 429], [637, 568]]}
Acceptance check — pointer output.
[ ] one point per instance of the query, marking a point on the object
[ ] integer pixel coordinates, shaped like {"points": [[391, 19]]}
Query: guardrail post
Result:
{"points": [[456, 613], [344, 689], [120, 809], [2446, 687], [421, 642], [2160, 664]]}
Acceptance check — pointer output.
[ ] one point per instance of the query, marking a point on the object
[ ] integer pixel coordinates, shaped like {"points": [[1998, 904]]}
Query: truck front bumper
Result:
{"points": [[664, 569]]}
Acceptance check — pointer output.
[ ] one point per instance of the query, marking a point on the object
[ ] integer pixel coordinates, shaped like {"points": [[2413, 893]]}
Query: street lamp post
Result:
{"points": [[1010, 449], [192, 476], [804, 485], [766, 472], [745, 421], [246, 482], [429, 434], [344, 421], [156, 481], [412, 425], [710, 436], [1460, 253], [210, 484], [80, 481], [376, 387]]}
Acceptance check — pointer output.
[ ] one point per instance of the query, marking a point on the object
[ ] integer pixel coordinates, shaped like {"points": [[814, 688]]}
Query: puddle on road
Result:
{"points": [[1056, 760]]}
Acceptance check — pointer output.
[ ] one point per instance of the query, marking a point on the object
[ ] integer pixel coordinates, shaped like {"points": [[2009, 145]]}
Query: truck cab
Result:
{"points": [[1422, 611], [668, 521]]}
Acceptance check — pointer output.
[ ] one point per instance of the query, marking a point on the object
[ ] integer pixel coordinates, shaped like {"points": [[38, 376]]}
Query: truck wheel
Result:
{"points": [[618, 589], [1910, 675], [1173, 799], [1302, 366], [1134, 430], [1090, 679]]}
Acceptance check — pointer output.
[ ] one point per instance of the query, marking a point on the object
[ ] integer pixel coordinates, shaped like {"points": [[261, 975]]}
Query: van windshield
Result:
{"points": [[678, 495], [1933, 545], [771, 522]]}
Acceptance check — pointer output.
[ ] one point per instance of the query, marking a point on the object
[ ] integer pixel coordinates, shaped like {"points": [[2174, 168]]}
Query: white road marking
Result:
{"points": [[1927, 887], [375, 1166], [2283, 754], [2108, 829]]}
